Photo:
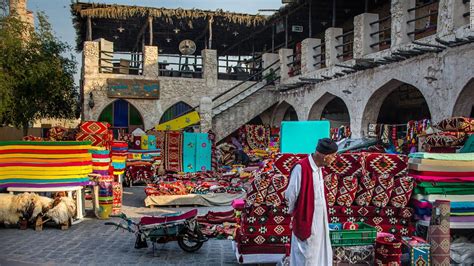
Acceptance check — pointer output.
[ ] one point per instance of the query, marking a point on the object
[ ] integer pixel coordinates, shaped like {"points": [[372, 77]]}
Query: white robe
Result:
{"points": [[316, 250]]}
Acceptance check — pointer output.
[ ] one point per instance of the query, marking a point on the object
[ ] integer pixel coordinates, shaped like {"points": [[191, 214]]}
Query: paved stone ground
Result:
{"points": [[92, 243]]}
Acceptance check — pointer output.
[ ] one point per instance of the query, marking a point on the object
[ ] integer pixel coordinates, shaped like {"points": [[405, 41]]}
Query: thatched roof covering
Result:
{"points": [[191, 24], [169, 15]]}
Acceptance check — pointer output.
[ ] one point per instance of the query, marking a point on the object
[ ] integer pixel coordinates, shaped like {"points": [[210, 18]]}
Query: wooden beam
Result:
{"points": [[150, 30], [140, 33], [89, 29], [211, 19]]}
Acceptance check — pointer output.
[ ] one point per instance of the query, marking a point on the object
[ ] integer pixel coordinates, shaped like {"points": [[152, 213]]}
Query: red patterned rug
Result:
{"points": [[173, 151]]}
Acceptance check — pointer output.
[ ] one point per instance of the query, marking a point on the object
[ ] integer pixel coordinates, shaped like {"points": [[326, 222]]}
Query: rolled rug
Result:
{"points": [[439, 233]]}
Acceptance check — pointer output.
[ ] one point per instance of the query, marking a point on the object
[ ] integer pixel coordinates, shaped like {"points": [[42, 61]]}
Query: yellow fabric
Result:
{"points": [[45, 168], [49, 156], [118, 159], [180, 122], [100, 168], [97, 148], [37, 147], [50, 176], [34, 160]]}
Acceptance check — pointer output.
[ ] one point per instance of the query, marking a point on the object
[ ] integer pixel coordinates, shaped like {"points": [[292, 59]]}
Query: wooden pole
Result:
{"points": [[210, 32], [89, 29], [273, 38], [366, 6], [309, 23], [334, 13], [150, 30], [286, 31]]}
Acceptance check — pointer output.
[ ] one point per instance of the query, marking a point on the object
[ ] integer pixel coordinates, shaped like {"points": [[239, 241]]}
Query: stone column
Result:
{"points": [[471, 14], [362, 31], [331, 43], [400, 16], [308, 52], [205, 113], [150, 61], [268, 59], [450, 16], [90, 58], [284, 61], [209, 65]]}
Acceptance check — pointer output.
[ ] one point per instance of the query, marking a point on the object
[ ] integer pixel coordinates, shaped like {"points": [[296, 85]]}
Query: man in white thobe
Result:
{"points": [[316, 249]]}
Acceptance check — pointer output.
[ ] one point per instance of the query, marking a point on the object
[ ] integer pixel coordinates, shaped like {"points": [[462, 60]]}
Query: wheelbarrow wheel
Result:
{"points": [[189, 246]]}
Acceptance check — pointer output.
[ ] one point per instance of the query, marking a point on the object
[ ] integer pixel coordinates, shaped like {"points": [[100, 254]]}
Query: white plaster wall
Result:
{"points": [[440, 77]]}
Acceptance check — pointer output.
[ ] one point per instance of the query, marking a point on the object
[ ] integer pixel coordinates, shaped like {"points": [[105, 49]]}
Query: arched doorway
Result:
{"points": [[122, 116], [290, 114], [332, 108], [175, 111], [395, 102], [403, 104], [283, 112], [464, 105]]}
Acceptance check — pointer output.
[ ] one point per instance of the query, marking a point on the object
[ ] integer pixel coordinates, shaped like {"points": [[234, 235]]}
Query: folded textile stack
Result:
{"points": [[96, 132], [100, 160], [353, 255], [265, 224], [119, 151], [388, 251], [442, 176], [151, 155], [370, 187], [453, 133], [44, 164]]}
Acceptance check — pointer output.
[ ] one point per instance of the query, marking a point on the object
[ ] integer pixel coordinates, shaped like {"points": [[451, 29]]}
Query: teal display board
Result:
{"points": [[203, 152], [196, 152], [302, 136]]}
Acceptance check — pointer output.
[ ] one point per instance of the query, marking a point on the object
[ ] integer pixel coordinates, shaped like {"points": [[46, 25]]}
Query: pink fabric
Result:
{"points": [[421, 204], [443, 174], [164, 219], [427, 178]]}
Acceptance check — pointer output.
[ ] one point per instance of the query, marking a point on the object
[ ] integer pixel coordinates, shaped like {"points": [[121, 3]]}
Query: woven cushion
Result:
{"points": [[366, 190], [463, 124], [347, 190], [330, 187], [275, 192], [284, 162], [382, 163], [94, 127], [383, 190], [344, 165], [402, 190], [446, 139], [137, 142], [258, 190]]}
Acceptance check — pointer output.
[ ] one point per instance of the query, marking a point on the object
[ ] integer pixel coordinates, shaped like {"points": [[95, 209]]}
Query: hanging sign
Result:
{"points": [[133, 88], [297, 28]]}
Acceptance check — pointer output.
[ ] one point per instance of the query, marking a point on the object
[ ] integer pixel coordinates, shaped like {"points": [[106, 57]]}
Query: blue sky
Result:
{"points": [[60, 16]]}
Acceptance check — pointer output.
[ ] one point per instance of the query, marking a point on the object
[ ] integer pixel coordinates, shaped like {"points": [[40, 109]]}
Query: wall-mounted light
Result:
{"points": [[176, 30], [168, 39], [91, 100]]}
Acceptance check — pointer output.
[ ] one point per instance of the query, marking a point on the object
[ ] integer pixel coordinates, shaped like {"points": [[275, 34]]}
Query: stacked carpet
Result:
{"points": [[373, 188], [444, 177], [119, 151], [100, 160], [43, 164]]}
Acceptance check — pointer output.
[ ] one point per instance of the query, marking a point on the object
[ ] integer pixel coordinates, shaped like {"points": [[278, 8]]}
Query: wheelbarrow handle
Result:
{"points": [[119, 225]]}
